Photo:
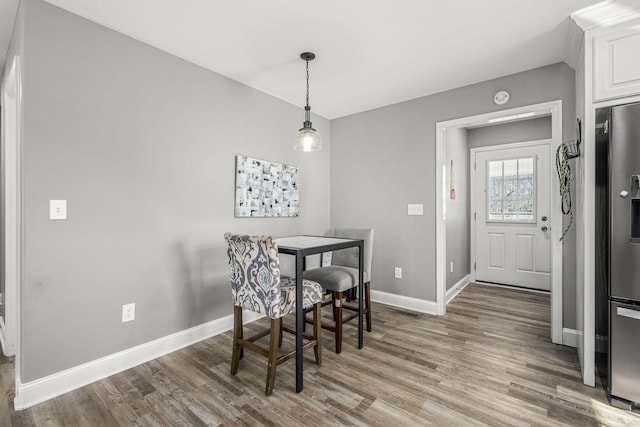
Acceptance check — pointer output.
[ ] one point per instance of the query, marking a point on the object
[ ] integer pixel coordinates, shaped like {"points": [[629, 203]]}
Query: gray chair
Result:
{"points": [[341, 276]]}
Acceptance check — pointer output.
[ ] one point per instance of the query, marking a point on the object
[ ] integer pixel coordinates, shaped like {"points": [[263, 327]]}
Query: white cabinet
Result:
{"points": [[616, 62]]}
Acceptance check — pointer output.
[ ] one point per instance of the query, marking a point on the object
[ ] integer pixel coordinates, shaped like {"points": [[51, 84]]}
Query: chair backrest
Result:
{"points": [[254, 268], [349, 257]]}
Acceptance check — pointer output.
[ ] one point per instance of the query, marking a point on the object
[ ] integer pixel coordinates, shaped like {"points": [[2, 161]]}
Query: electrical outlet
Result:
{"points": [[57, 209], [451, 266], [398, 273], [128, 312], [415, 209]]}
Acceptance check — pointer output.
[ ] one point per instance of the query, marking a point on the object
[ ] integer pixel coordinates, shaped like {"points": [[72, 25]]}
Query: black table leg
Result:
{"points": [[299, 320], [360, 296]]}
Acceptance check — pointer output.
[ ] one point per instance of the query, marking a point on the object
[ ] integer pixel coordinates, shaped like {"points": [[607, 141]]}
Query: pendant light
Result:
{"points": [[308, 139]]}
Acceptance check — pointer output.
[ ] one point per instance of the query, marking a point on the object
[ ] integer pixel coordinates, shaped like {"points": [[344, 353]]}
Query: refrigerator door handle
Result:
{"points": [[625, 312]]}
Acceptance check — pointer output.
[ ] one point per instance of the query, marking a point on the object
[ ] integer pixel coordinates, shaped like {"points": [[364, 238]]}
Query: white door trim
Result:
{"points": [[472, 205], [554, 108], [11, 204], [11, 170]]}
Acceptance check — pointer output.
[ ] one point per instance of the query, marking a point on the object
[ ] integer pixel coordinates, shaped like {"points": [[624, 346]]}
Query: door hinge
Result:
{"points": [[474, 216], [474, 266], [474, 165]]}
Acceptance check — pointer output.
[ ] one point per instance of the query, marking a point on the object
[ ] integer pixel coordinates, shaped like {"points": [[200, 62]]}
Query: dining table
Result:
{"points": [[300, 247]]}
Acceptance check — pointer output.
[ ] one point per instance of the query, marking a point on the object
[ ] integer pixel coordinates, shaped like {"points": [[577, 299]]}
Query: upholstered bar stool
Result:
{"points": [[256, 285], [342, 275]]}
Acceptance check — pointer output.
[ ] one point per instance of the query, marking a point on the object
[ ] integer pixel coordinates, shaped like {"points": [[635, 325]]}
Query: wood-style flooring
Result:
{"points": [[489, 361]]}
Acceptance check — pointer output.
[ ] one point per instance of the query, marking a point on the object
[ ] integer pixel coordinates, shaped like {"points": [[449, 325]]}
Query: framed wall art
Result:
{"points": [[265, 188]]}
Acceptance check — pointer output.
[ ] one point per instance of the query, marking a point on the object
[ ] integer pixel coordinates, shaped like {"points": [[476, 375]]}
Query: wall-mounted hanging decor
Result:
{"points": [[265, 189]]}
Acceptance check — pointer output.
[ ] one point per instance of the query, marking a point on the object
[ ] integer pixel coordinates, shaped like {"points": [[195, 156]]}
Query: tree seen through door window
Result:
{"points": [[510, 192]]}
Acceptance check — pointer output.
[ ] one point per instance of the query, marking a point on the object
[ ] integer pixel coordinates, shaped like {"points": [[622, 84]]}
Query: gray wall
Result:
{"points": [[520, 131], [142, 146], [385, 158], [457, 210]]}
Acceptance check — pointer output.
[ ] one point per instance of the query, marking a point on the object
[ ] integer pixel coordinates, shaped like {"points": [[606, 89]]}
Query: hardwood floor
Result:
{"points": [[489, 361]]}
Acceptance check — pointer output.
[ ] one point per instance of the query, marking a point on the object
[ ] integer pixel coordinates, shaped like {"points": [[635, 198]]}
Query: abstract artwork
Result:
{"points": [[265, 189]]}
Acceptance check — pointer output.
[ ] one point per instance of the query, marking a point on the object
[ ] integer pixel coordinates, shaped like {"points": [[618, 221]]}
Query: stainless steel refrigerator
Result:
{"points": [[618, 252]]}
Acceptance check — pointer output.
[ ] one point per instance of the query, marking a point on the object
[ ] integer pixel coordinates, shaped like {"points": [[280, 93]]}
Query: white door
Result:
{"points": [[512, 196]]}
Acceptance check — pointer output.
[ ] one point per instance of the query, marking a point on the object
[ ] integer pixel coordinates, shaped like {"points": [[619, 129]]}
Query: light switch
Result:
{"points": [[415, 209], [57, 209]]}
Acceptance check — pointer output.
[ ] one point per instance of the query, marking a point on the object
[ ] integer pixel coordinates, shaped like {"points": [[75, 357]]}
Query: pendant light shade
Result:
{"points": [[308, 139]]}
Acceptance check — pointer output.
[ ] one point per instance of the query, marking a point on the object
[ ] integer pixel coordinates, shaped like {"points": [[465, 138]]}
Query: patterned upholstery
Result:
{"points": [[256, 283]]}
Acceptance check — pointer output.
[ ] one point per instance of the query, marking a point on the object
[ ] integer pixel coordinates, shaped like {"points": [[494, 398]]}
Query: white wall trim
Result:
{"points": [[608, 15], [556, 229], [457, 288], [570, 337], [586, 219], [416, 304], [408, 303], [12, 192], [34, 392], [441, 226], [554, 108], [574, 43]]}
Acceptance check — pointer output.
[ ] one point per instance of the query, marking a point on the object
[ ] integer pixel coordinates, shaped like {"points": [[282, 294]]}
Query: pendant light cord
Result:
{"points": [[307, 109], [307, 57], [307, 83]]}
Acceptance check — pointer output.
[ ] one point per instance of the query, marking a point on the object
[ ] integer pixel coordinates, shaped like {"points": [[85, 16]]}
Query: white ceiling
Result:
{"points": [[370, 53]]}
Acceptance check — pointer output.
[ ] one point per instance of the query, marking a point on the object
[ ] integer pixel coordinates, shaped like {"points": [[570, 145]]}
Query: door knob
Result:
{"points": [[544, 218], [544, 228]]}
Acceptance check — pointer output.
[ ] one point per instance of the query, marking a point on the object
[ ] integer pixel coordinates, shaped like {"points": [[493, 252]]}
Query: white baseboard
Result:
{"points": [[570, 337], [409, 303], [34, 392], [456, 289]]}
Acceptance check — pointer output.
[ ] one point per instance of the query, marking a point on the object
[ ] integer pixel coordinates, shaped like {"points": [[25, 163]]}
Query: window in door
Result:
{"points": [[510, 190]]}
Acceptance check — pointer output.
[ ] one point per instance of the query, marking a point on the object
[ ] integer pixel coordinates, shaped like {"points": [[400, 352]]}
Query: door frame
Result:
{"points": [[11, 205], [552, 108], [472, 206]]}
